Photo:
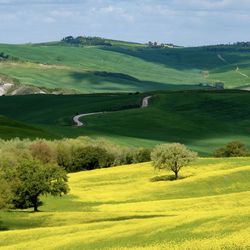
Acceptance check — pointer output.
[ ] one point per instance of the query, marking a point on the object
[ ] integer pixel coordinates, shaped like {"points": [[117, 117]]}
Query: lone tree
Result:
{"points": [[232, 149], [30, 179], [172, 156]]}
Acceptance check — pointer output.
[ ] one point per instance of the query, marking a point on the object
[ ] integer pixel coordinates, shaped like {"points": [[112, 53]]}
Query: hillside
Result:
{"points": [[124, 67], [123, 208], [203, 120], [10, 129]]}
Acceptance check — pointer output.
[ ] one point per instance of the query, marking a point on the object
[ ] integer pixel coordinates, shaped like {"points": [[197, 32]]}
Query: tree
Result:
{"points": [[5, 193], [41, 151], [63, 154], [90, 157], [150, 44], [30, 179], [141, 155], [232, 149], [172, 156]]}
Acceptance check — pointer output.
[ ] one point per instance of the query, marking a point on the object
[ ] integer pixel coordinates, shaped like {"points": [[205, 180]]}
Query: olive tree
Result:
{"points": [[30, 179], [172, 157]]}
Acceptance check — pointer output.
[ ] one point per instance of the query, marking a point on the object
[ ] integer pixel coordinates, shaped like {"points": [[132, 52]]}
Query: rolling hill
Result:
{"points": [[124, 67], [10, 128], [124, 208], [203, 120]]}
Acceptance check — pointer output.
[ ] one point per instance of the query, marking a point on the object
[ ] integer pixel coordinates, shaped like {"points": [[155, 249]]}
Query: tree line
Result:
{"points": [[85, 41], [29, 169]]}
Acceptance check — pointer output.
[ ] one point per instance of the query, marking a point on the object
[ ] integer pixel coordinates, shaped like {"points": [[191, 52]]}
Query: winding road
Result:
{"points": [[78, 123]]}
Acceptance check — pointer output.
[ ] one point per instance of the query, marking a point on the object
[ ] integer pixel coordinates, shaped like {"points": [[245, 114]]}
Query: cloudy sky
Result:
{"points": [[183, 22]]}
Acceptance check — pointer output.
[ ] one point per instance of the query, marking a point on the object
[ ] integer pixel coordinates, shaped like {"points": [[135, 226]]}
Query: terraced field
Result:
{"points": [[124, 208]]}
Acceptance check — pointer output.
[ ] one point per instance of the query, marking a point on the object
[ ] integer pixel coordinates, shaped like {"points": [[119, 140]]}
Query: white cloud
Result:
{"points": [[179, 21], [49, 19]]}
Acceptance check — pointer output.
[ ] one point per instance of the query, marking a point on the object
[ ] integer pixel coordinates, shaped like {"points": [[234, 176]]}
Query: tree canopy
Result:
{"points": [[30, 179], [232, 149], [172, 157]]}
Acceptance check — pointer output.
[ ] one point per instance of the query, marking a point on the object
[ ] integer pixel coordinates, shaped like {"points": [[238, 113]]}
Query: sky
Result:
{"points": [[182, 22]]}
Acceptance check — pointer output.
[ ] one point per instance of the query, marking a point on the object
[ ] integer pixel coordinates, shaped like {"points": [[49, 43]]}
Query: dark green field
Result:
{"points": [[203, 120]]}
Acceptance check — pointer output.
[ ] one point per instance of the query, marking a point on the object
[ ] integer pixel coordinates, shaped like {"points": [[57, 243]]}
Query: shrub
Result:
{"points": [[232, 149]]}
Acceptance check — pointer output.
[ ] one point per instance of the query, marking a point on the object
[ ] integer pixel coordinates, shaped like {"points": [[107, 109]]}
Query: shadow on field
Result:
{"points": [[117, 81], [131, 217], [2, 227], [182, 59], [166, 178]]}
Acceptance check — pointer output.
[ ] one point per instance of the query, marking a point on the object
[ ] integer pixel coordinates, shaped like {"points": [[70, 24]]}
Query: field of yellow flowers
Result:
{"points": [[136, 207]]}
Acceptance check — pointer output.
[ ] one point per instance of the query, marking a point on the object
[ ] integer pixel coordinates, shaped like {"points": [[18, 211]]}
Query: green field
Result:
{"points": [[203, 120], [11, 129], [124, 67], [123, 208]]}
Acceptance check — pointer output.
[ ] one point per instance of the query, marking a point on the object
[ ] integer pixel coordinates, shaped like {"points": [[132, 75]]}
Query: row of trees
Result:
{"points": [[156, 45], [85, 41], [29, 169]]}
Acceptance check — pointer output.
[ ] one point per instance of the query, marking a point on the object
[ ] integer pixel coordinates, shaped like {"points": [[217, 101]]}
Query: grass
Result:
{"points": [[121, 208], [204, 120], [135, 67], [10, 129]]}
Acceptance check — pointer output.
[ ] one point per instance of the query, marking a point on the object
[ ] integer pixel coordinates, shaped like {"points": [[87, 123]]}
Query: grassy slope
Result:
{"points": [[10, 129], [53, 114], [59, 109], [120, 208], [202, 120], [153, 69]]}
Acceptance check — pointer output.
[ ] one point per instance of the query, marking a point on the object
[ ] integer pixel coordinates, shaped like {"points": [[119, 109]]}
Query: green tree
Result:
{"points": [[90, 157], [232, 149], [30, 179], [141, 155], [5, 194], [40, 150], [172, 157]]}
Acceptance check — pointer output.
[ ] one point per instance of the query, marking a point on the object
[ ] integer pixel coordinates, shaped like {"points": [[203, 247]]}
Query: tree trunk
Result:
{"points": [[35, 208], [176, 175], [35, 204]]}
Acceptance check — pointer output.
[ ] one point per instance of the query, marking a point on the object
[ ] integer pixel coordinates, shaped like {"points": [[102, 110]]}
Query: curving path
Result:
{"points": [[76, 119]]}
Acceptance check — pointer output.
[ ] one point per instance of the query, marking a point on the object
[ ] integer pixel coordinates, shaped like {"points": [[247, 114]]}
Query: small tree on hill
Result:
{"points": [[232, 149], [172, 157], [30, 179]]}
